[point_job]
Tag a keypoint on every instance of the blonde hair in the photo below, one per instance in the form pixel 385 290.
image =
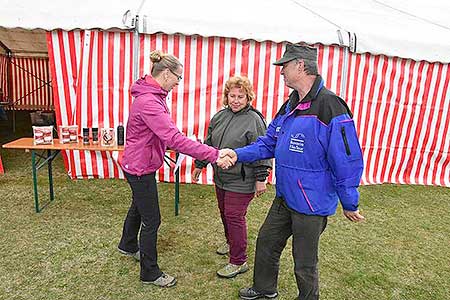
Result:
pixel 161 61
pixel 241 83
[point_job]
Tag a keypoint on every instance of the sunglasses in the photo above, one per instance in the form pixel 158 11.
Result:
pixel 179 77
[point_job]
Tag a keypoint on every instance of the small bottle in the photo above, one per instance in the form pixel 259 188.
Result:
pixel 94 135
pixel 86 136
pixel 120 135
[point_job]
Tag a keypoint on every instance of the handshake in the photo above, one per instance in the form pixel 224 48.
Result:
pixel 227 158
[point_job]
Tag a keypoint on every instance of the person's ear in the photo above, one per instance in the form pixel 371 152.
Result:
pixel 166 74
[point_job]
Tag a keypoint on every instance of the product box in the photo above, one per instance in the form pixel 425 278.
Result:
pixel 64 134
pixel 73 133
pixel 68 134
pixel 107 137
pixel 43 135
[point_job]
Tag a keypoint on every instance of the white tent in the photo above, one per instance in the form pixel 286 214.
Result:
pixel 410 29
pixel 389 59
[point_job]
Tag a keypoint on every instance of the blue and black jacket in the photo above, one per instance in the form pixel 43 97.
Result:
pixel 317 153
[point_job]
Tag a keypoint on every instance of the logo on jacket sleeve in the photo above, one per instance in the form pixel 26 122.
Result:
pixel 297 142
pixel 277 131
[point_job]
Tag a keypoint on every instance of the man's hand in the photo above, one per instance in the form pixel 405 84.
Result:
pixel 227 158
pixel 353 216
pixel 196 174
pixel 260 188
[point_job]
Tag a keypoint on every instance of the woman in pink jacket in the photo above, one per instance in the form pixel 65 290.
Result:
pixel 150 130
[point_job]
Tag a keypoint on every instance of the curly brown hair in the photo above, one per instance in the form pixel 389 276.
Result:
pixel 241 82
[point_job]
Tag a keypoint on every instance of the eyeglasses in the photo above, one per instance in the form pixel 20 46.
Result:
pixel 285 65
pixel 179 77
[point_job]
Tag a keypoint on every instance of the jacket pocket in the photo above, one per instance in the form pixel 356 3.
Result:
pixel 345 140
pixel 305 196
pixel 347 143
pixel 150 150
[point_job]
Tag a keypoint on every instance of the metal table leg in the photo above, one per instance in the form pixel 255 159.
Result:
pixel 48 159
pixel 50 175
pixel 177 188
pixel 34 169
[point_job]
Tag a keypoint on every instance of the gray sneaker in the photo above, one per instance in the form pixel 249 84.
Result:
pixel 223 249
pixel 165 280
pixel 135 255
pixel 230 270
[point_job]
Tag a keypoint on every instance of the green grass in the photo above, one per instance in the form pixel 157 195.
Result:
pixel 69 250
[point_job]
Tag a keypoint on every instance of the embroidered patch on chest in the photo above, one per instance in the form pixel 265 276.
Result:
pixel 297 142
pixel 304 106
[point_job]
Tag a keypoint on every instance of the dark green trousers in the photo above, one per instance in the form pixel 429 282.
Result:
pixel 282 222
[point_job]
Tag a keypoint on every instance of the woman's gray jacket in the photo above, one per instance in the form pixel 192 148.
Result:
pixel 234 130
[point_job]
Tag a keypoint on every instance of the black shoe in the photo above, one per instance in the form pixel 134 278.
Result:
pixel 250 294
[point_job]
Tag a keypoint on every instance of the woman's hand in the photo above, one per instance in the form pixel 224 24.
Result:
pixel 227 158
pixel 261 188
pixel 196 174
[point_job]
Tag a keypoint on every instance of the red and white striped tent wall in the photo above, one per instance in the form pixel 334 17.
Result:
pixel 3 78
pixel 30 83
pixel 400 105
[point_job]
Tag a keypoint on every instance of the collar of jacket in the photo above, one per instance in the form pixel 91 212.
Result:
pixel 151 92
pixel 150 80
pixel 147 84
pixel 244 110
pixel 311 96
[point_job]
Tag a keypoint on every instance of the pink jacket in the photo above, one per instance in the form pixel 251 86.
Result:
pixel 150 130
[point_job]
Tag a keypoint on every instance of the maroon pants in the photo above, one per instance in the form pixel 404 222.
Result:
pixel 233 209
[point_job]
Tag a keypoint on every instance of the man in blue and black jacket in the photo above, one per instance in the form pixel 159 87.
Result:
pixel 318 161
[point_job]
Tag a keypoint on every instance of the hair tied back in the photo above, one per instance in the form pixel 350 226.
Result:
pixel 156 56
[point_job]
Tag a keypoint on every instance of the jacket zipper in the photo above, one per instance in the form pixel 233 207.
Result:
pixel 221 139
pixel 306 196
pixel 344 137
pixel 224 131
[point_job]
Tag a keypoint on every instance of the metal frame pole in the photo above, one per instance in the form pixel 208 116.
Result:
pixel 34 170
pixel 177 187
pixel 50 174
pixel 136 49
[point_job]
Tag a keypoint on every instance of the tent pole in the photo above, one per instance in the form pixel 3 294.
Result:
pixel 344 73
pixel 343 88
pixel 9 87
pixel 14 120
pixel 136 48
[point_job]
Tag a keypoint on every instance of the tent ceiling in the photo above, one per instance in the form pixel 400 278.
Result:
pixel 410 29
pixel 23 42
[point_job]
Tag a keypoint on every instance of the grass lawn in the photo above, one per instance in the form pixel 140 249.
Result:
pixel 69 250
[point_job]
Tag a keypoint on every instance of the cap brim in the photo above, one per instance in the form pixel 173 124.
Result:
pixel 283 60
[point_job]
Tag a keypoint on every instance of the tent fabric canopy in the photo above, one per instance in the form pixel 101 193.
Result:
pixel 92 70
pixel 409 29
pixel 400 106
pixel 21 42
